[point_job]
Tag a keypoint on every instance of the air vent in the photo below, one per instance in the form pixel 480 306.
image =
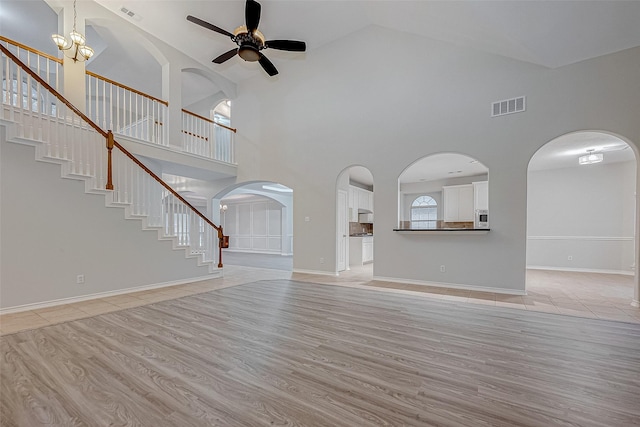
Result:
pixel 130 13
pixel 508 106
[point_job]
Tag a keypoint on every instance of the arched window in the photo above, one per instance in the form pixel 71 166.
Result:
pixel 223 136
pixel 424 212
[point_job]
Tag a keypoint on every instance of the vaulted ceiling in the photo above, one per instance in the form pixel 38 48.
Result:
pixel 547 33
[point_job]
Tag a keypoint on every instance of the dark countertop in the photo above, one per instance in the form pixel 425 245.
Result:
pixel 448 230
pixel 360 234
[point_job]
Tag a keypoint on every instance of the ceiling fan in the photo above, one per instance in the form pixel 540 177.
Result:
pixel 250 41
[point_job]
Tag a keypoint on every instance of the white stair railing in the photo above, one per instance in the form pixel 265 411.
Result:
pixel 40 116
pixel 68 137
pixel 126 111
pixel 207 138
pixel 144 197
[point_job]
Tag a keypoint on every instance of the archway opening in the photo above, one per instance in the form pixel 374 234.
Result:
pixel 581 216
pixel 258 218
pixel 444 190
pixel 355 222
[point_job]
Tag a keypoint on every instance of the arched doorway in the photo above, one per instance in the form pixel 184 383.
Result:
pixel 581 225
pixel 258 218
pixel 355 221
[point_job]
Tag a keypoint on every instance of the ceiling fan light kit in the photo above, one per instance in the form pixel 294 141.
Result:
pixel 250 40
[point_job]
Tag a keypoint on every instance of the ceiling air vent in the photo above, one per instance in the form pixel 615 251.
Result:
pixel 130 13
pixel 508 106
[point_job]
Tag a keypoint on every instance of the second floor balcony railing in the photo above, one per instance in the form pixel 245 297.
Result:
pixel 207 138
pixel 122 109
pixel 127 111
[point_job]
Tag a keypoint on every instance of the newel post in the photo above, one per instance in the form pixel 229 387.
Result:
pixel 109 185
pixel 223 242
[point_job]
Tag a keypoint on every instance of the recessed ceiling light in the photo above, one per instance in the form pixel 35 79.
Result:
pixel 590 158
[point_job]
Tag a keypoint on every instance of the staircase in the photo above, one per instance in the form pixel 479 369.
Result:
pixel 35 114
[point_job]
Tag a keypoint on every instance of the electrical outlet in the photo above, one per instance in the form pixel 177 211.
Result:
pixel 80 279
pixel 321 260
pixel 307 219
pixel 442 269
pixel 570 258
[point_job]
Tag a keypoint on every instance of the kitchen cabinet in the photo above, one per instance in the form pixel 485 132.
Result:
pixel 365 200
pixel 353 204
pixel 359 199
pixel 481 195
pixel 367 249
pixel 360 250
pixel 458 203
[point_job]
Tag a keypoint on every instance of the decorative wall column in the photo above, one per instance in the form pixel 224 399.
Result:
pixel 172 91
pixel 74 85
pixel 636 277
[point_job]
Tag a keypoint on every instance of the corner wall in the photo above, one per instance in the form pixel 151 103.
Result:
pixel 325 112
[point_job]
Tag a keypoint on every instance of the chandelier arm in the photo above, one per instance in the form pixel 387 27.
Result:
pixel 77 40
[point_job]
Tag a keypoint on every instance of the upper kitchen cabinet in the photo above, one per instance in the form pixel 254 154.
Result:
pixel 481 195
pixel 360 201
pixel 441 191
pixel 458 201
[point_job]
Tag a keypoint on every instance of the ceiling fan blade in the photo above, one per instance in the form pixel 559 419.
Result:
pixel 291 45
pixel 267 65
pixel 226 56
pixel 208 26
pixel 252 15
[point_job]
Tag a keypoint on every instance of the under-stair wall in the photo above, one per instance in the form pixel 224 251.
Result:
pixel 52 231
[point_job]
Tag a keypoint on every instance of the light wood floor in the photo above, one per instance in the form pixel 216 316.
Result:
pixel 280 352
pixel 596 296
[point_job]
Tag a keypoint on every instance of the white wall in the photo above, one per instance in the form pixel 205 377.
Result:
pixel 586 213
pixel 52 231
pixel 323 113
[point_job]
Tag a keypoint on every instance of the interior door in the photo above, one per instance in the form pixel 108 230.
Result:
pixel 342 233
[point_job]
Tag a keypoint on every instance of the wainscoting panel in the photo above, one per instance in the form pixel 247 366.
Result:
pixel 581 253
pixel 254 226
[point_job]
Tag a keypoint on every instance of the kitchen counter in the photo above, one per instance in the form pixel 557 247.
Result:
pixel 433 231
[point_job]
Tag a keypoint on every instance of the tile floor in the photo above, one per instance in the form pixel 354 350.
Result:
pixel 604 296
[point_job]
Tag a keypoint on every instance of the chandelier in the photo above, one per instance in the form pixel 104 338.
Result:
pixel 76 48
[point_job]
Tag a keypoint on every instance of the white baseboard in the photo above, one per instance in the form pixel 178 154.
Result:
pixel 580 270
pixel 242 251
pixel 62 301
pixel 452 285
pixel 321 273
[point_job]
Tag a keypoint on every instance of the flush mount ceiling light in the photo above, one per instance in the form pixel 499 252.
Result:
pixel 76 48
pixel 590 158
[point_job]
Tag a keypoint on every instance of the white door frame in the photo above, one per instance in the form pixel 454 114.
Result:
pixel 342 232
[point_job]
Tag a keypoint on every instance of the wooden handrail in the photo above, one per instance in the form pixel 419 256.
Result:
pixel 110 140
pixel 30 49
pixel 137 92
pixel 209 120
